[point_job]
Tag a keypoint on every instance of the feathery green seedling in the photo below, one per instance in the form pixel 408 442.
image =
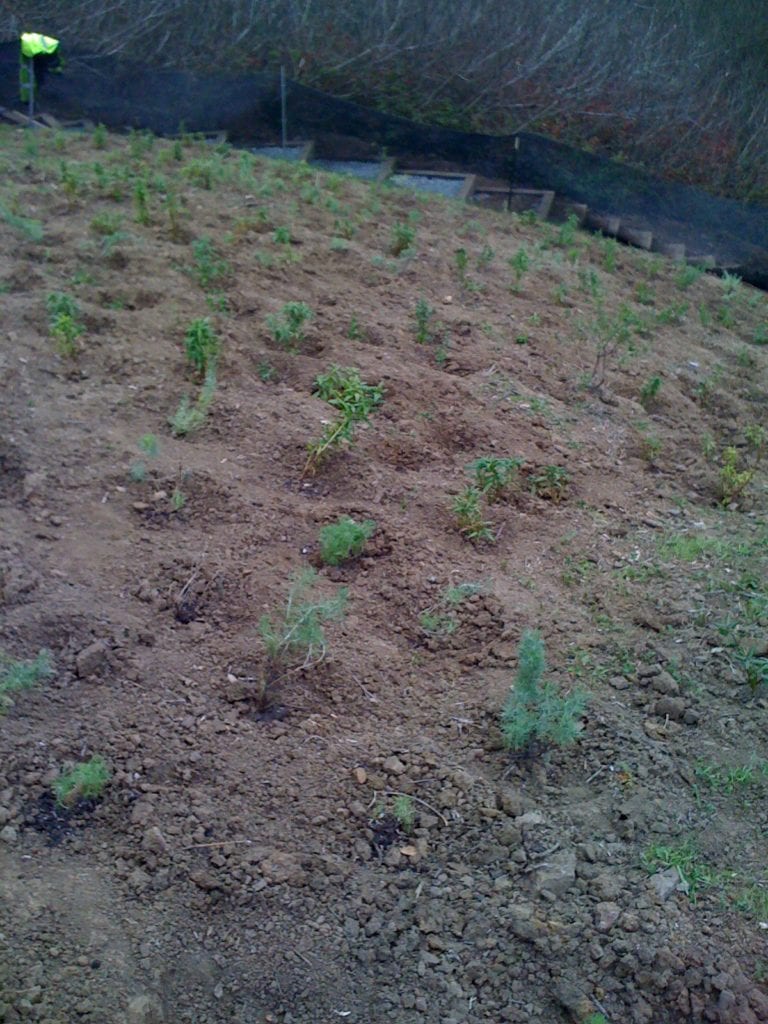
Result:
pixel 402 239
pixel 64 326
pixel 469 516
pixel 675 313
pixel 610 249
pixel 486 257
pixel 344 539
pixel 566 235
pixel 201 345
pixel 31 229
pixel 149 446
pixel 688 275
pixel 520 264
pixel 461 259
pixel 649 392
pixel 141 202
pixel 174 211
pixel 210 268
pixel 282 236
pixel 293 637
pixel 423 314
pixel 736 474
pixel 188 417
pixel 106 223
pixel 86 781
pixel 494 476
pixel 71 182
pixel 22 675
pixel 403 812
pixel 99 137
pixel 287 327
pixel 355 331
pixel 536 710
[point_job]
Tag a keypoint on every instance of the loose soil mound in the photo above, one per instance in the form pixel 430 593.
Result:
pixel 360 846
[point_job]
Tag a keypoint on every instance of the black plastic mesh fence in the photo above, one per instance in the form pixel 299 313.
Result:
pixel 121 94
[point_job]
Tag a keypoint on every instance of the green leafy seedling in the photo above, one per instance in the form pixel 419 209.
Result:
pixel 201 345
pixel 288 325
pixel 470 520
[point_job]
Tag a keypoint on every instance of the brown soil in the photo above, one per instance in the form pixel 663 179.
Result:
pixel 250 866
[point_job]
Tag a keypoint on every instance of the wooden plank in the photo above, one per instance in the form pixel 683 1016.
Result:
pixel 467 188
pixel 606 225
pixel 673 250
pixel 633 236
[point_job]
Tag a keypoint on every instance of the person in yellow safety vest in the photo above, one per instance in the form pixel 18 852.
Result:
pixel 33 44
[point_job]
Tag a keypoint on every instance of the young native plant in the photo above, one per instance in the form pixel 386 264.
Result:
pixel 344 540
pixel 22 675
pixel 470 520
pixel 535 711
pixel 287 326
pixel 293 637
pixel 353 400
pixel 201 345
pixel 495 477
pixel 86 781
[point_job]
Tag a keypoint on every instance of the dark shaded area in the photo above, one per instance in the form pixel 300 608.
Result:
pixel 125 95
pixel 56 822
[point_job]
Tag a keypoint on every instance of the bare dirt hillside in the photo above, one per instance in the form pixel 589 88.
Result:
pixel 317 821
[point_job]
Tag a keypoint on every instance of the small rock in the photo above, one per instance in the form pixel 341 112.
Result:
pixel 144 1010
pixel 670 707
pixel 664 883
pixel 557 874
pixel 606 915
pixel 394 766
pixel 154 841
pixel 91 659
pixel 8 835
pixel 283 868
pixel 572 998
pixel 665 683
pixel 361 776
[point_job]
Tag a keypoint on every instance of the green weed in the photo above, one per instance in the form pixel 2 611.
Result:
pixel 441 618
pixel 190 417
pixel 694 874
pixel 403 812
pixel 688 275
pixel 520 264
pixel 141 202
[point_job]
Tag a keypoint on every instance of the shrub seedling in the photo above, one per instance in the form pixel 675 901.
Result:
pixel 149 446
pixel 293 637
pixel 141 202
pixel 551 482
pixel 424 314
pixel 86 781
pixel 520 264
pixel 64 325
pixel 188 417
pixel 210 268
pixel 287 327
pixel 469 516
pixel 495 476
pixel 535 710
pixel 201 345
pixel 344 539
pixel 401 240
pixel 22 675
pixel 354 401
pixel 403 812
pixel 649 392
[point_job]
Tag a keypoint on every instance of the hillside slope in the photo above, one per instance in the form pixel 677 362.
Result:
pixel 359 844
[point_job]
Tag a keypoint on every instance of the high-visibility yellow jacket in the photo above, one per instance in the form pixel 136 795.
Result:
pixel 33 44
